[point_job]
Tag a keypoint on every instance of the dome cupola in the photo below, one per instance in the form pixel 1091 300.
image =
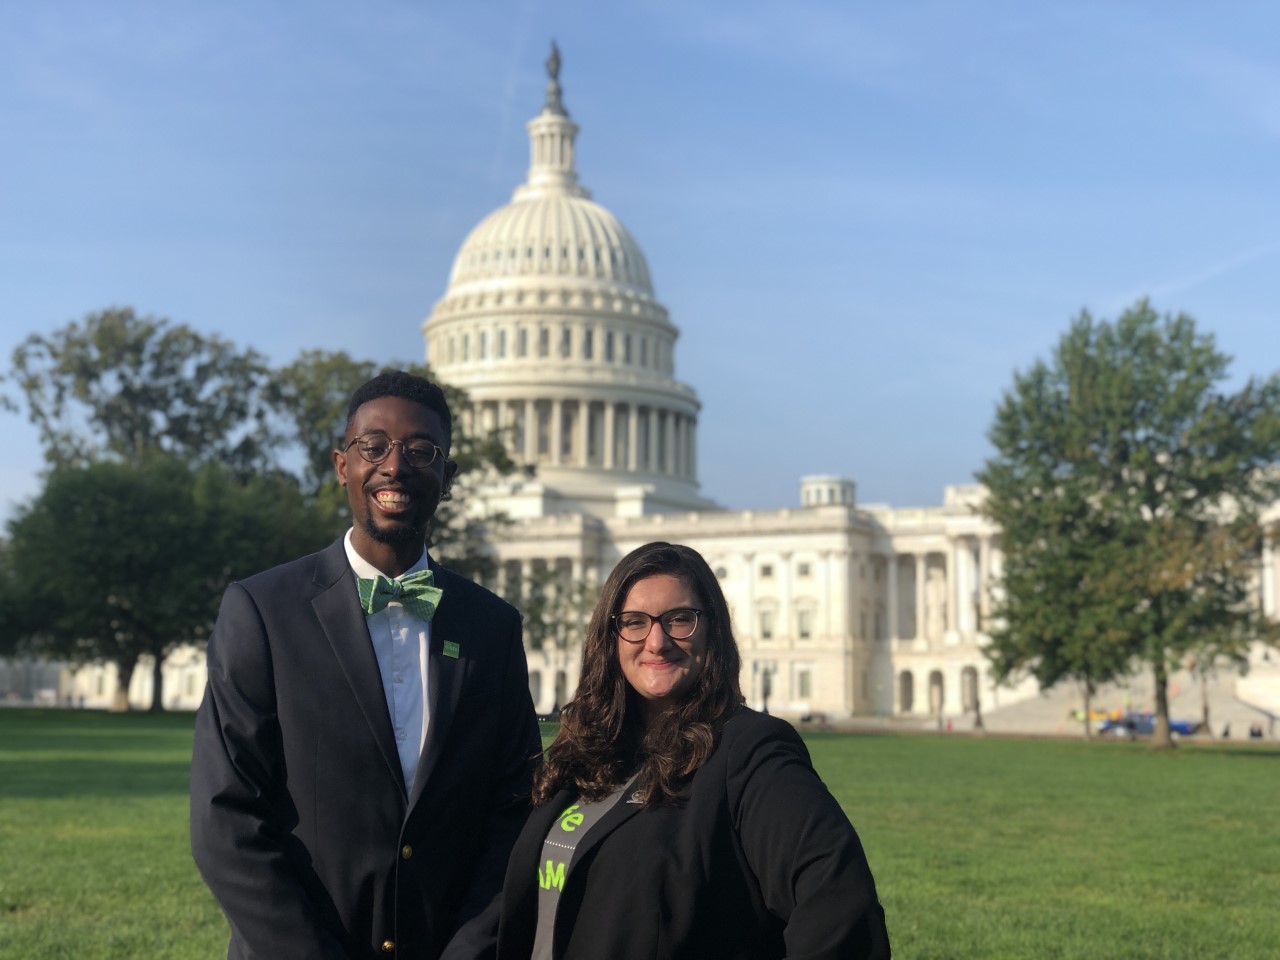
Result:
pixel 551 325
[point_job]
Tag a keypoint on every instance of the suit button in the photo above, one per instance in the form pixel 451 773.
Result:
pixel 406 851
pixel 388 946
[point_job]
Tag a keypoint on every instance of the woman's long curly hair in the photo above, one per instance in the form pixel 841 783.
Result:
pixel 603 738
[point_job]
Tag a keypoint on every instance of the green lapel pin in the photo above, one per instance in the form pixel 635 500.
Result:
pixel 451 649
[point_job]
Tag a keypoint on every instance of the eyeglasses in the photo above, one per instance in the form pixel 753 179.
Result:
pixel 375 448
pixel 634 626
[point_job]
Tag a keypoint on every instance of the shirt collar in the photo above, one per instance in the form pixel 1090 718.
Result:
pixel 367 571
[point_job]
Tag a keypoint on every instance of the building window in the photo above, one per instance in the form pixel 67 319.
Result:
pixel 626 349
pixel 804 624
pixel 566 342
pixel 766 571
pixel 466 346
pixel 588 343
pixel 567 422
pixel 803 570
pixel 644 351
pixel 522 342
pixel 544 430
pixel 804 683
pixel 721 573
pixel 544 342
pixel 608 347
pixel 766 624
pixel 484 345
pixel 502 343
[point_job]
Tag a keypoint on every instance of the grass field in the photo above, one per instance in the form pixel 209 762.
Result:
pixel 982 848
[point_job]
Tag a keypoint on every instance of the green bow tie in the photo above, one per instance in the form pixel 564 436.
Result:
pixel 415 592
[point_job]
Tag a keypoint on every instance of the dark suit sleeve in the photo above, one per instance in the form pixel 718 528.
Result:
pixel 511 781
pixel 238 814
pixel 805 855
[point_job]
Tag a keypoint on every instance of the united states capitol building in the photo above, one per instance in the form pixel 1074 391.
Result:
pixel 551 323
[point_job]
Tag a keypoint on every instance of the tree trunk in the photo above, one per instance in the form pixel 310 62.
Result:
pixel 1088 712
pixel 1161 739
pixel 157 682
pixel 124 676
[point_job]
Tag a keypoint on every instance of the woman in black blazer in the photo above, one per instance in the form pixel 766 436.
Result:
pixel 672 821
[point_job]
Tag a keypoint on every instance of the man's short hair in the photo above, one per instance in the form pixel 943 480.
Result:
pixel 399 383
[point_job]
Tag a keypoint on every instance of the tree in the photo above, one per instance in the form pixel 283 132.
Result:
pixel 1128 485
pixel 124 386
pixel 555 606
pixel 114 560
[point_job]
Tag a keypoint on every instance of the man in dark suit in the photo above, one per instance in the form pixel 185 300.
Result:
pixel 364 752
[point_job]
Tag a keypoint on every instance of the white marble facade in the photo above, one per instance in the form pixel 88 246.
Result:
pixel 551 323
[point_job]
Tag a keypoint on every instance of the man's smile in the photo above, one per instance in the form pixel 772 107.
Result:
pixel 392 501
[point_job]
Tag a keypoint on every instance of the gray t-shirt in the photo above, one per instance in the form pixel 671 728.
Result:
pixel 557 853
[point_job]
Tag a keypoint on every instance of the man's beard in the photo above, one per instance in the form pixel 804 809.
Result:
pixel 397 535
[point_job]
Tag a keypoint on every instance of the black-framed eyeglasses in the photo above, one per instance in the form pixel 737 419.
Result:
pixel 634 626
pixel 375 448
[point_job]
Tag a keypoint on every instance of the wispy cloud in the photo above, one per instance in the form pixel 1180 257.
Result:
pixel 1166 289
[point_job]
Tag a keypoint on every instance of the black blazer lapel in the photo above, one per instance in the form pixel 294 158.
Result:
pixel 614 817
pixel 337 607
pixel 444 683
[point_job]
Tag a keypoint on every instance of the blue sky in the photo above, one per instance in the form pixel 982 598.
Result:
pixel 863 217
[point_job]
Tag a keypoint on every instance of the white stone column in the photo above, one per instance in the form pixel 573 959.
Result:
pixel 584 433
pixel 693 448
pixel 891 585
pixel 824 591
pixel 749 594
pixel 557 426
pixel 668 443
pixel 633 435
pixel 609 412
pixel 786 615
pixel 530 438
pixel 653 440
pixel 677 445
pixel 949 578
pixel 922 570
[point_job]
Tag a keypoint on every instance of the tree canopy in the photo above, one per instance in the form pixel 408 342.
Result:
pixel 1128 483
pixel 115 560
pixel 178 462
pixel 124 386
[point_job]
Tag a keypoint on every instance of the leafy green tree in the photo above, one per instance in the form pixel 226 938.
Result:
pixel 115 560
pixel 124 386
pixel 1128 484
pixel 555 606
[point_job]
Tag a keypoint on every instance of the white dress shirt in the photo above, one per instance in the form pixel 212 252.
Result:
pixel 401 642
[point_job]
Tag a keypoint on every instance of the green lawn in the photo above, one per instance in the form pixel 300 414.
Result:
pixel 982 848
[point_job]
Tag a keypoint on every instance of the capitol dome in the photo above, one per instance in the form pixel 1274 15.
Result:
pixel 550 324
pixel 552 235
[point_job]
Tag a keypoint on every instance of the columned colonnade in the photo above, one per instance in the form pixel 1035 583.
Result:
pixel 581 431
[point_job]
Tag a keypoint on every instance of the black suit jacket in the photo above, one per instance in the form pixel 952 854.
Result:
pixel 756 861
pixel 300 822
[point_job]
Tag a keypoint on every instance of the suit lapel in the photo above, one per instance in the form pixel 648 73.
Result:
pixel 614 817
pixel 337 607
pixel 444 682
